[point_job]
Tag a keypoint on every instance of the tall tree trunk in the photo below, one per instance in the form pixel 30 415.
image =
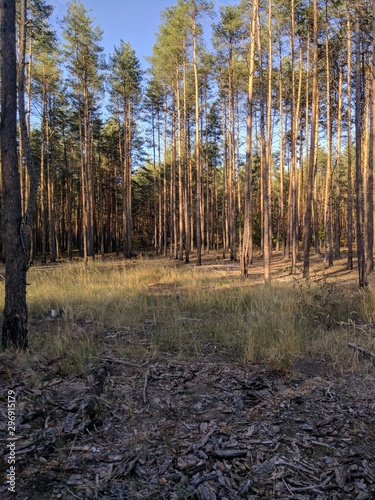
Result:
pixel 231 160
pixel 328 220
pixel 173 215
pixel 362 280
pixel 14 329
pixel 311 164
pixel 369 195
pixel 267 163
pixel 165 187
pixel 293 169
pixel 126 205
pixel 338 166
pixel 350 173
pixel 198 161
pixel 43 183
pixel 25 142
pixel 247 249
pixel 282 156
pixel 180 173
pixel 186 176
pixel 368 205
pixel 88 175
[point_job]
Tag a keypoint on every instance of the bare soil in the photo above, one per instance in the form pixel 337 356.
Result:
pixel 206 428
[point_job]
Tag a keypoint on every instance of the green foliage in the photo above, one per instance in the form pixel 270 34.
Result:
pixel 82 48
pixel 125 76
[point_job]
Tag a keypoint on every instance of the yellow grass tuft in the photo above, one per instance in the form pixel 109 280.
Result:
pixel 150 307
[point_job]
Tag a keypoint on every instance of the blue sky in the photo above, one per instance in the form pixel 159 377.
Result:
pixel 134 21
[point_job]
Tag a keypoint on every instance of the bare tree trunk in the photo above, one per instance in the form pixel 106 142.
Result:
pixel 186 183
pixel 165 221
pixel 198 161
pixel 328 220
pixel 14 329
pixel 173 215
pixel 368 205
pixel 160 192
pixel 282 156
pixel 127 179
pixel 180 174
pixel 231 161
pixel 362 279
pixel 88 176
pixel 338 166
pixel 267 163
pixel 224 218
pixel 350 174
pixel 247 250
pixel 369 195
pixel 51 201
pixel 25 143
pixel 293 173
pixel 311 166
pixel 43 184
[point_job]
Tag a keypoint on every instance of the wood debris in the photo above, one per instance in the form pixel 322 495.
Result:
pixel 203 429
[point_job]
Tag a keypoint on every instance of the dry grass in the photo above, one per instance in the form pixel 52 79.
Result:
pixel 151 307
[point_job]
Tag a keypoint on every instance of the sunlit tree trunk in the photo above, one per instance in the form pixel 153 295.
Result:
pixel 369 194
pixel 328 217
pixel 349 147
pixel 180 173
pixel 173 215
pixel 198 160
pixel 362 281
pixel 32 184
pixel 311 163
pixel 165 187
pixel 247 248
pixel 267 164
pixel 282 156
pixel 186 183
pixel 338 165
pixel 293 172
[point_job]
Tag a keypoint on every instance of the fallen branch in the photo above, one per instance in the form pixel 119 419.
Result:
pixel 362 350
pixel 183 318
pixel 111 359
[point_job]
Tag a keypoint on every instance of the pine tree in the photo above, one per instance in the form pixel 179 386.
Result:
pixel 82 52
pixel 125 80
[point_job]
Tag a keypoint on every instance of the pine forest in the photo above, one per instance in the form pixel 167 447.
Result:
pixel 187 250
pixel 251 131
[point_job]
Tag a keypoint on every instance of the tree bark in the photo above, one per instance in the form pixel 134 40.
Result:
pixel 14 330
pixel 25 142
pixel 371 164
pixel 349 175
pixel 338 166
pixel 362 281
pixel 247 248
pixel 311 165
pixel 198 161
pixel 328 220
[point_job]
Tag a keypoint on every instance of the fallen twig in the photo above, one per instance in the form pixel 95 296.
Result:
pixel 362 350
pixel 111 359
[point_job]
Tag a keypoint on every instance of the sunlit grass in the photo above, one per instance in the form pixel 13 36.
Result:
pixel 151 307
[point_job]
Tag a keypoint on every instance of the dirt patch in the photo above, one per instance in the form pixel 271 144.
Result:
pixel 203 429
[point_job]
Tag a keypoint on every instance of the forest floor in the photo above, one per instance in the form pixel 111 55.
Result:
pixel 208 427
